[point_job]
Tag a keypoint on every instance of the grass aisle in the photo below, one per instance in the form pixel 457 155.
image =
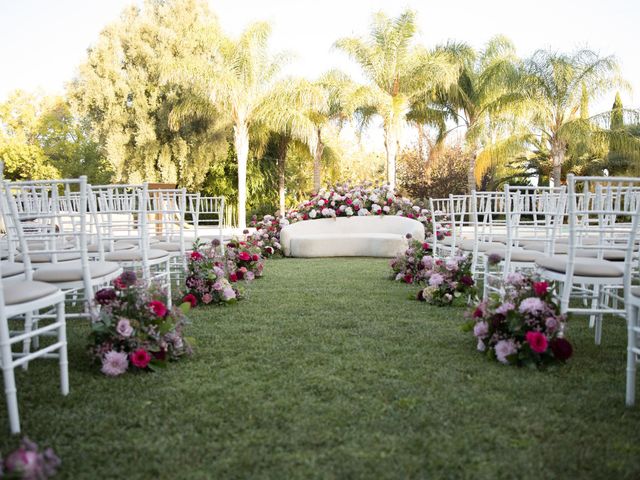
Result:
pixel 328 371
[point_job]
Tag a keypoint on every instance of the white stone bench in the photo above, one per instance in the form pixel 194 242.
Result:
pixel 370 236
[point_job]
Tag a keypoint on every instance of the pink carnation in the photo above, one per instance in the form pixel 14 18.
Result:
pixel 114 363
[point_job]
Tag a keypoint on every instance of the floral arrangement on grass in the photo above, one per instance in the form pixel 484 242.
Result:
pixel 28 463
pixel 134 329
pixel 524 327
pixel 209 280
pixel 446 279
pixel 244 260
pixel 408 267
pixel 343 200
pixel 267 235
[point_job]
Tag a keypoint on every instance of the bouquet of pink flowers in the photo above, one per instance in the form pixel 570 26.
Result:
pixel 209 279
pixel 243 261
pixel 522 328
pixel 267 235
pixel 28 463
pixel 135 329
pixel 446 280
pixel 408 267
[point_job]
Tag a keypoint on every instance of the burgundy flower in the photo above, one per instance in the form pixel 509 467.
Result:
pixel 467 280
pixel 244 256
pixel 215 242
pixel 420 296
pixel 255 257
pixel 105 296
pixel 408 278
pixel 233 277
pixel 561 349
pixel 196 256
pixel 231 245
pixel 159 308
pixel 426 246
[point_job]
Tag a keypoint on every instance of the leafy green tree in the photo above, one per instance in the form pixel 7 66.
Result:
pixel 398 72
pixel 121 93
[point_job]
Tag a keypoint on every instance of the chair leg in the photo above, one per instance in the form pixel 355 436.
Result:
pixel 10 383
pixel 26 343
pixel 169 300
pixel 631 356
pixel 597 317
pixel 63 360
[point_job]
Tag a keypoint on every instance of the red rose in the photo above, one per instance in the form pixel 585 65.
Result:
pixel 466 280
pixel 478 313
pixel 408 278
pixel 537 341
pixel 140 358
pixel 239 275
pixel 244 256
pixel 356 207
pixel 348 201
pixel 255 257
pixel 159 308
pixel 190 298
pixel 541 288
pixel 426 246
pixel 233 277
pixel 196 256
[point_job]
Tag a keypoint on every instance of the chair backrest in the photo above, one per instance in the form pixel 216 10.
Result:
pixel 488 215
pixel 42 223
pixel 441 223
pixel 607 209
pixel 166 209
pixel 117 214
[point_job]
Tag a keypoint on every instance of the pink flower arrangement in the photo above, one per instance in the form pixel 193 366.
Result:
pixel 28 463
pixel 212 272
pixel 524 327
pixel 132 321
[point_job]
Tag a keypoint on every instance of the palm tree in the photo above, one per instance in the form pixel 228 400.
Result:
pixel 289 116
pixel 236 78
pixel 558 85
pixel 483 99
pixel 398 73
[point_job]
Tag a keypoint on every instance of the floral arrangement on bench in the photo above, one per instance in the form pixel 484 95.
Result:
pixel 522 328
pixel 343 200
pixel 134 329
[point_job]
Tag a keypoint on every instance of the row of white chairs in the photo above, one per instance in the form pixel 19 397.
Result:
pixel 65 239
pixel 583 236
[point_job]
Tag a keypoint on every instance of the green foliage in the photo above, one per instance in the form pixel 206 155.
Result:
pixel 25 162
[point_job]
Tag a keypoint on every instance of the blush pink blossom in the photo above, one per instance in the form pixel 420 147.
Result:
pixel 114 363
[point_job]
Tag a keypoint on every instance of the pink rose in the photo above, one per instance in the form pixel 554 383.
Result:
pixel 537 341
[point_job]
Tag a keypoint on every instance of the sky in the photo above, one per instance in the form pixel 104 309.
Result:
pixel 42 42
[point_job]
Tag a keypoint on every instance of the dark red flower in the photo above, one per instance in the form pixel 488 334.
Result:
pixel 408 278
pixel 105 296
pixel 231 245
pixel 239 275
pixel 420 296
pixel 540 288
pixel 190 298
pixel 478 313
pixel 561 349
pixel 196 256
pixel 140 358
pixel 255 257
pixel 244 256
pixel 159 308
pixel 233 277
pixel 466 280
pixel 426 246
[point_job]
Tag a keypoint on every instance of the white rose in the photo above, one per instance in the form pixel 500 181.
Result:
pixel 320 203
pixel 362 212
pixel 375 208
pixel 348 211
pixel 386 209
pixel 313 214
pixel 416 208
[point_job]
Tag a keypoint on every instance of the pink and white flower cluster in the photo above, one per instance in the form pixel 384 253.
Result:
pixel 524 327
pixel 134 328
pixel 29 463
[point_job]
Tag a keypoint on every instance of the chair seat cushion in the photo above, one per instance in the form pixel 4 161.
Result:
pixel 118 245
pixel 72 271
pixel 26 291
pixel 468 246
pixel 48 257
pixel 11 269
pixel 635 291
pixel 348 245
pixel 448 241
pixel 563 249
pixel 583 267
pixel 134 255
pixel 172 246
pixel 517 254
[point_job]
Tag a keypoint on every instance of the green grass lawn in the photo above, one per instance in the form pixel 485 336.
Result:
pixel 327 370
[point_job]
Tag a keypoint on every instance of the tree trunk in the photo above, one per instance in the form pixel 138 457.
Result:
pixel 391 146
pixel 558 150
pixel 283 146
pixel 471 172
pixel 241 144
pixel 317 162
